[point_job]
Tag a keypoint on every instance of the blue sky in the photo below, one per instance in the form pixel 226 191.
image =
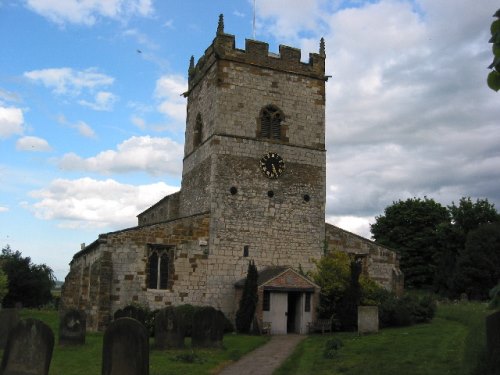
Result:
pixel 92 121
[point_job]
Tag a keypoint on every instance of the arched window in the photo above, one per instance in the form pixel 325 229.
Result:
pixel 153 271
pixel 198 131
pixel 270 122
pixel 159 263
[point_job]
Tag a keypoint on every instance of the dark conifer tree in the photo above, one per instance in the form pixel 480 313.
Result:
pixel 248 301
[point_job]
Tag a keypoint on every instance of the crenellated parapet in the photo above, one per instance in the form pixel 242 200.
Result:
pixel 257 53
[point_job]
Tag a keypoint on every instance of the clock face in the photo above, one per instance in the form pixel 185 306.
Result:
pixel 272 165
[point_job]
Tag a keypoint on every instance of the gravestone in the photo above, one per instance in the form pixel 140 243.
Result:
pixel 170 328
pixel 367 319
pixel 125 349
pixel 72 328
pixel 493 342
pixel 8 319
pixel 208 328
pixel 29 349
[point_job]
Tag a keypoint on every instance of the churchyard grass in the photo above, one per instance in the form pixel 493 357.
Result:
pixel 86 359
pixel 453 343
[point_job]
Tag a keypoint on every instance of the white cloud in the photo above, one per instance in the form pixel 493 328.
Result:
pixel 155 156
pixel 9 96
pixel 30 143
pixel 139 122
pixel 408 110
pixel 84 129
pixel 69 81
pixel 4 209
pixel 354 224
pixel 141 38
pixel 11 121
pixel 169 90
pixel 87 12
pixel 89 203
pixel 103 101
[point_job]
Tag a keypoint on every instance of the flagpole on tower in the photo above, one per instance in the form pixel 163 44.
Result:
pixel 254 19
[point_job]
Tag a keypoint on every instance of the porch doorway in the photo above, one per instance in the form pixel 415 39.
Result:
pixel 293 312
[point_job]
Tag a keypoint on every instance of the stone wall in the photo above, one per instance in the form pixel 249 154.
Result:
pixel 381 264
pixel 112 272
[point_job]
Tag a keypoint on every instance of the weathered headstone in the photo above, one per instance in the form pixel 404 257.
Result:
pixel 29 349
pixel 170 328
pixel 367 319
pixel 8 319
pixel 72 328
pixel 125 349
pixel 493 342
pixel 208 328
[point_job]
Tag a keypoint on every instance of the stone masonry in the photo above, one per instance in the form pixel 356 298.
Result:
pixel 227 210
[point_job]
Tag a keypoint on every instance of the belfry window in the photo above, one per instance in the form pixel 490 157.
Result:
pixel 198 131
pixel 159 264
pixel 270 122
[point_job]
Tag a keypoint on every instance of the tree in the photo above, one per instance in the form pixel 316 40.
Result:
pixel 452 237
pixel 478 264
pixel 343 288
pixel 494 76
pixel 410 228
pixel 29 284
pixel 248 301
pixel 4 283
pixel 332 274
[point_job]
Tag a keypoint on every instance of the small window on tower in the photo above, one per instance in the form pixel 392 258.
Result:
pixel 270 122
pixel 198 131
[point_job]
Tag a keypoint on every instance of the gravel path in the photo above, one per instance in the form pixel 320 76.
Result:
pixel 265 359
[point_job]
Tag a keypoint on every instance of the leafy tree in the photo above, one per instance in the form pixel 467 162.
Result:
pixel 332 274
pixel 347 310
pixel 464 218
pixel 410 228
pixel 494 76
pixel 343 288
pixel 248 301
pixel 478 264
pixel 29 284
pixel 3 285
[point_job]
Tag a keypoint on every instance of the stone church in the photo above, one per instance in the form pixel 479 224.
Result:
pixel 253 188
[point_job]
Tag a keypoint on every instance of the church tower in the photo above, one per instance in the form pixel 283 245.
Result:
pixel 254 158
pixel 253 189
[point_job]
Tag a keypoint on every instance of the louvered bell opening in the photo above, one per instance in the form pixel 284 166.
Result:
pixel 265 125
pixel 276 126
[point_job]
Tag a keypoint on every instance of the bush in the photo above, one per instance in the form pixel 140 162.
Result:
pixel 331 347
pixel 139 312
pixel 495 297
pixel 405 311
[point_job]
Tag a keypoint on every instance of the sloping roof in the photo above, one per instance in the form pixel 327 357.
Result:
pixel 269 273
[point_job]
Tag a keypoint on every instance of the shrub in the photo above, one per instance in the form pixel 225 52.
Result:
pixel 406 310
pixel 331 347
pixel 495 297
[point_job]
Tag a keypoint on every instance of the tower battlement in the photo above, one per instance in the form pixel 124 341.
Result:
pixel 257 53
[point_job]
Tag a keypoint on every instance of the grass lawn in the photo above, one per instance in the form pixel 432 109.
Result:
pixel 86 360
pixel 452 344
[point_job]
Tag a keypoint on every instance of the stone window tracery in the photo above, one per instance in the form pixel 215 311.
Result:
pixel 159 267
pixel 270 122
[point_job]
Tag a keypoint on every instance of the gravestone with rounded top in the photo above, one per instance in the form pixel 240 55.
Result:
pixel 29 349
pixel 125 349
pixel 208 328
pixel 170 328
pixel 72 328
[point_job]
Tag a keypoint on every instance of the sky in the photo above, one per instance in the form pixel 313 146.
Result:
pixel 92 120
